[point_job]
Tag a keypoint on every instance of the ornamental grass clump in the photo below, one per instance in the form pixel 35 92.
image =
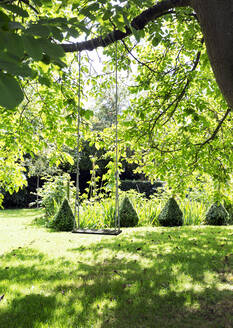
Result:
pixel 128 215
pixel 64 219
pixel 216 215
pixel 171 215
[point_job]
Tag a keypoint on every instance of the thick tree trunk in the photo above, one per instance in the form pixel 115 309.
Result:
pixel 216 20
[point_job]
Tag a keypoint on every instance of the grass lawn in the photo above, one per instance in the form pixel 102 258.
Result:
pixel 145 277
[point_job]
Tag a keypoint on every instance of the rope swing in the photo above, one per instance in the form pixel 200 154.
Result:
pixel 117 217
pixel 76 229
pixel 77 199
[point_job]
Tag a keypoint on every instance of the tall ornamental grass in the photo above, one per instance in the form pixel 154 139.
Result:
pixel 193 211
pixel 100 213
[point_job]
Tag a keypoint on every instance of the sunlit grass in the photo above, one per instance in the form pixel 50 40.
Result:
pixel 145 277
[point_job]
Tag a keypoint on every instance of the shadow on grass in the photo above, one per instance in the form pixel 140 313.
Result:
pixel 177 278
pixel 28 311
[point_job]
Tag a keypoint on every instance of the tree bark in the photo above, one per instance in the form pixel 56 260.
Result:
pixel 216 20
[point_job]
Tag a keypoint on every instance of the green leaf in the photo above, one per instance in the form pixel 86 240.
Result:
pixel 4 19
pixel 73 32
pixel 9 58
pixel 10 65
pixel 67 157
pixel 52 49
pixel 46 59
pixel 107 15
pixel 69 119
pixel 87 10
pixel 11 93
pixel 126 19
pixel 156 40
pixel 33 47
pixel 37 3
pixel 59 62
pixel 39 29
pixel 93 7
pixel 84 28
pixel 2 41
pixel 59 21
pixel 56 32
pixel 16 10
pixel 14 44
pixel 139 3
pixel 136 33
pixel 86 113
pixel 44 80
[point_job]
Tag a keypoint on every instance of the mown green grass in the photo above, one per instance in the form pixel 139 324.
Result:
pixel 145 277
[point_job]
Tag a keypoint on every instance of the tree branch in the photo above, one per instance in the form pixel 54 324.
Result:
pixel 137 60
pixel 30 6
pixel 138 23
pixel 213 135
pixel 180 96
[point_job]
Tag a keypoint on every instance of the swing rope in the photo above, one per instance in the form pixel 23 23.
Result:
pixel 77 199
pixel 117 218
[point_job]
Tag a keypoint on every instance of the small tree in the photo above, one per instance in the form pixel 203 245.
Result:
pixel 53 191
pixel 64 219
pixel 128 215
pixel 216 215
pixel 171 215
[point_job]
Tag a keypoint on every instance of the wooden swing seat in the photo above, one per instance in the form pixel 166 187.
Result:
pixel 98 231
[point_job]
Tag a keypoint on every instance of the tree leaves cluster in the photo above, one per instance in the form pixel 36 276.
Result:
pixel 25 39
pixel 177 126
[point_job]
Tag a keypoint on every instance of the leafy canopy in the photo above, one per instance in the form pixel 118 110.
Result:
pixel 177 126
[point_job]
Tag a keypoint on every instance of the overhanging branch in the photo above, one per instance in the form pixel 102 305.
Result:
pixel 213 135
pixel 138 23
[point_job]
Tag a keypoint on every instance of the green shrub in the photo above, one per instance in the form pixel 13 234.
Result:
pixel 216 215
pixel 64 219
pixel 229 207
pixel 128 215
pixel 171 214
pixel 53 192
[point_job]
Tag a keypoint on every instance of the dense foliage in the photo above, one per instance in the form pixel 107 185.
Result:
pixel 64 219
pixel 175 124
pixel 216 215
pixel 52 193
pixel 23 198
pixel 128 215
pixel 171 215
pixel 229 207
